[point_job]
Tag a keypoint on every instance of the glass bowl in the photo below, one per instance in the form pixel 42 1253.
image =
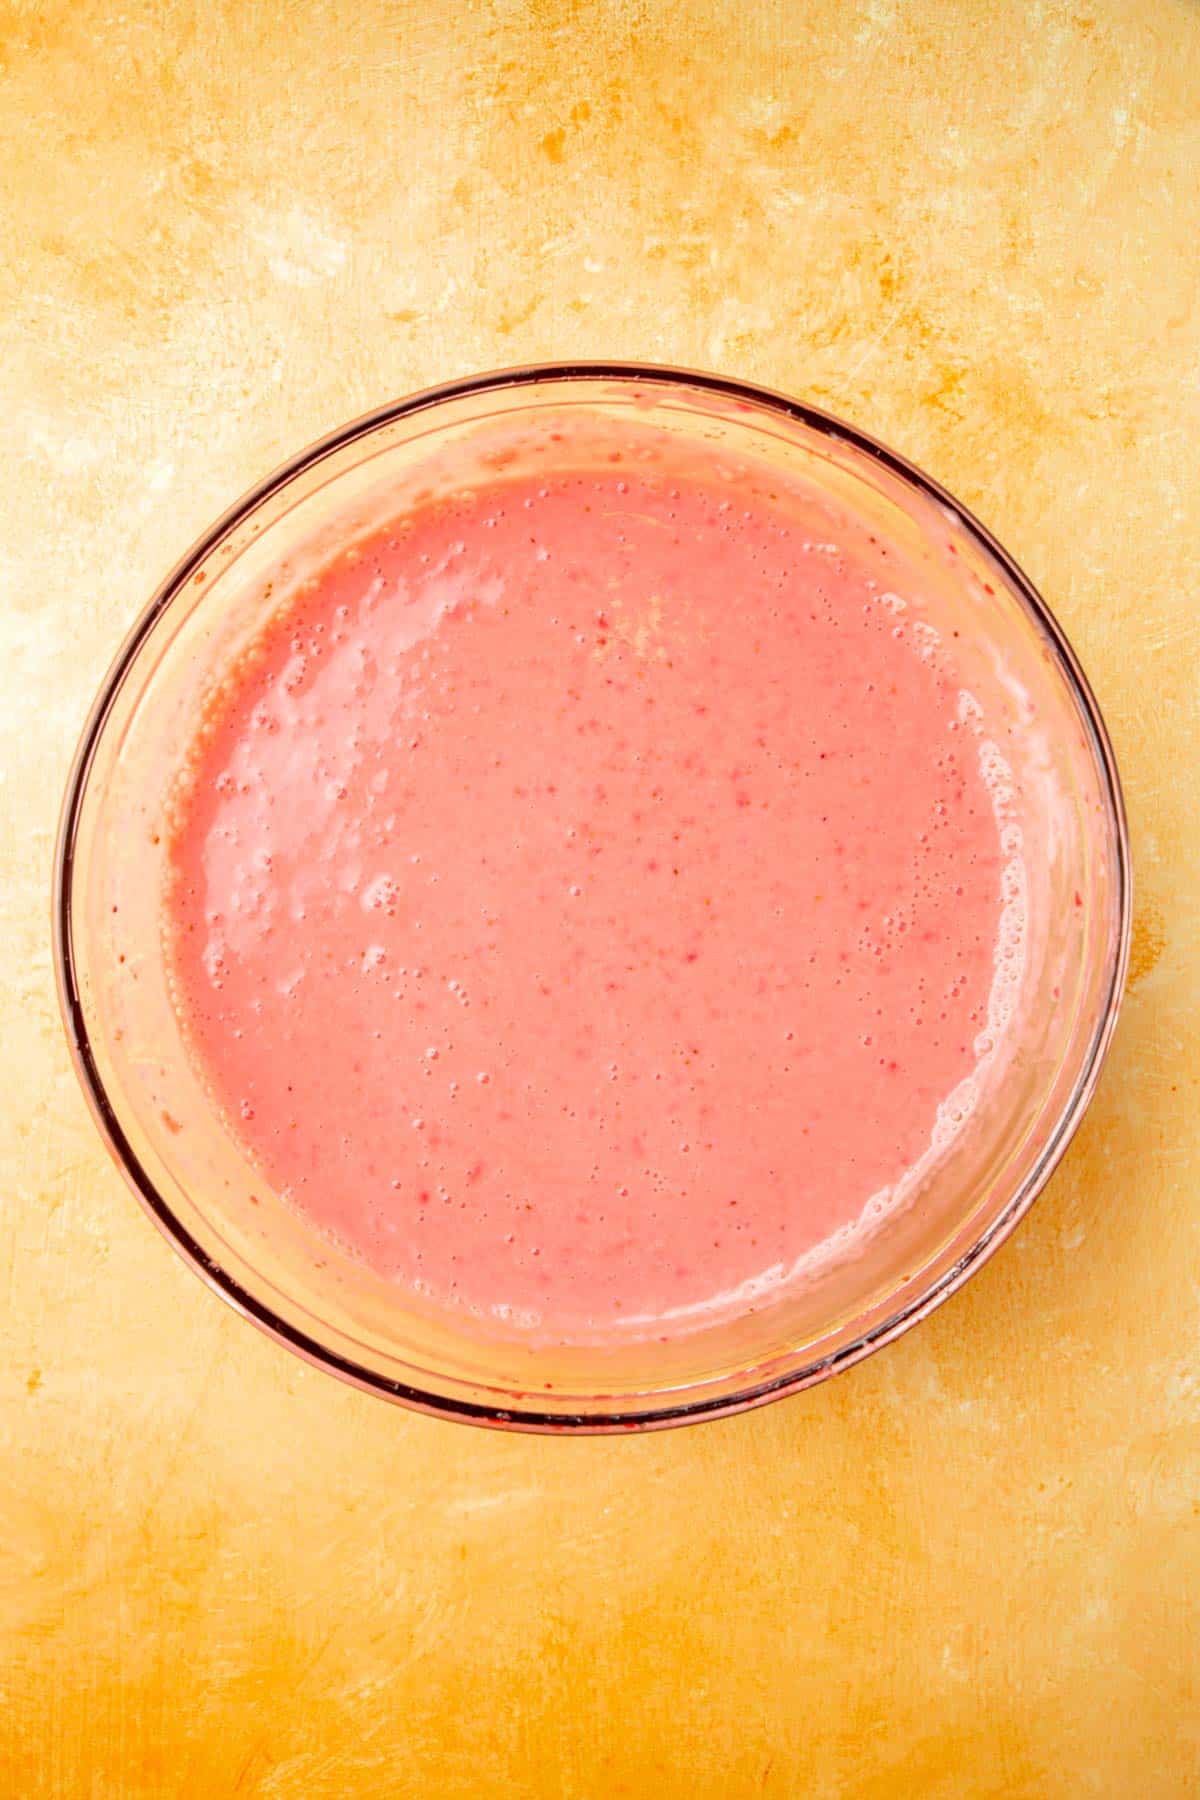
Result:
pixel 196 1182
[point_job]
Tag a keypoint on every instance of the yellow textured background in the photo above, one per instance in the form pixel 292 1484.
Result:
pixel 970 1568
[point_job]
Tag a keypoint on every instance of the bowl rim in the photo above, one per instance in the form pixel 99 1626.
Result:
pixel 628 1417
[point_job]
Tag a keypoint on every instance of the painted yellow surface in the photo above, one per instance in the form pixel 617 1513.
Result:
pixel 970 1568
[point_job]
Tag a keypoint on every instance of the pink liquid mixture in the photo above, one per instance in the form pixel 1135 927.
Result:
pixel 585 899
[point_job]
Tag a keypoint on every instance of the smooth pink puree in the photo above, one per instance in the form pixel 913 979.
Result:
pixel 585 897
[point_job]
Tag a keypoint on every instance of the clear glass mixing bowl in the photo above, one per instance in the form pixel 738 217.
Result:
pixel 196 1182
